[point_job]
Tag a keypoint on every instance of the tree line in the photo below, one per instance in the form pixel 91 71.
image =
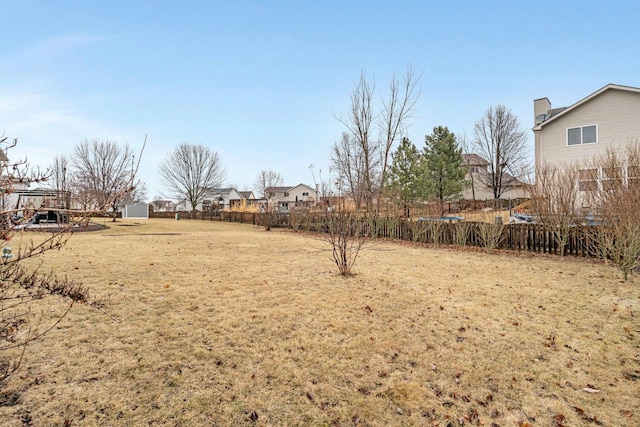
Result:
pixel 369 170
pixel 372 161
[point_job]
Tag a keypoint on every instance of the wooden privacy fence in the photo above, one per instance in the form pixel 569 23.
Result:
pixel 518 237
pixel 277 219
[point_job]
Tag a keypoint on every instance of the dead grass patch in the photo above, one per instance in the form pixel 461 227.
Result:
pixel 225 324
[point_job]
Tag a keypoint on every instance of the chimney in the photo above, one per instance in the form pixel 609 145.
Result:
pixel 541 109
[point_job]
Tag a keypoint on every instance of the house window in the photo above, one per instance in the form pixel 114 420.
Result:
pixel 286 194
pixel 582 135
pixel 305 194
pixel 588 180
pixel 611 178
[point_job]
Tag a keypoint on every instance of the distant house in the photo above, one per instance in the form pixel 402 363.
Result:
pixel 221 199
pixel 478 177
pixel 183 205
pixel 247 195
pixel 250 200
pixel 285 199
pixel 163 206
pixel 609 118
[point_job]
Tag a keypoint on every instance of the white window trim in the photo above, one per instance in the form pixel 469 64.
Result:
pixel 581 143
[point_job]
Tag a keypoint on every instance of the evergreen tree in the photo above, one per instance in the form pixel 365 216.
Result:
pixel 443 166
pixel 405 178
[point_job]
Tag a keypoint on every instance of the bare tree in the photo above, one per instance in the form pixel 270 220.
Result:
pixel 104 170
pixel 192 171
pixel 555 201
pixel 367 152
pixel 137 195
pixel 500 139
pixel 397 110
pixel 348 161
pixel 266 179
pixel 60 180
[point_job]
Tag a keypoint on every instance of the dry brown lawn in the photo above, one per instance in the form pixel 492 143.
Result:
pixel 226 324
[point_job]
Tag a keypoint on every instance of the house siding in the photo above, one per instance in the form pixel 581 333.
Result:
pixel 615 112
pixel 483 192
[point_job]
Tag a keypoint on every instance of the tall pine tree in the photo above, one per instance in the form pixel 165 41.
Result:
pixel 443 166
pixel 405 179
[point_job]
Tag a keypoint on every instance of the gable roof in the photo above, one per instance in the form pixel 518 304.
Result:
pixel 303 185
pixel 559 112
pixel 277 189
pixel 222 190
pixel 225 192
pixel 247 194
pixel 473 159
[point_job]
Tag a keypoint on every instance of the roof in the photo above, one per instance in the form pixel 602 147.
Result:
pixel 303 185
pixel 277 189
pixel 287 189
pixel 222 190
pixel 559 112
pixel 473 159
pixel 247 194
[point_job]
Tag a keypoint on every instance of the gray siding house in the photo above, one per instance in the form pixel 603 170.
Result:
pixel 608 118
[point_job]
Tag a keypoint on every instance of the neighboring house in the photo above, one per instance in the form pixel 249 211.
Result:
pixel 183 205
pixel 216 199
pixel 607 119
pixel 221 199
pixel 247 195
pixel 163 206
pixel 249 199
pixel 284 199
pixel 478 177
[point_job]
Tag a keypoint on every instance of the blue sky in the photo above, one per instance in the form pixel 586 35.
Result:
pixel 261 82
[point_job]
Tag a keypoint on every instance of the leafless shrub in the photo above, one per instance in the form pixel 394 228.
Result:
pixel 268 219
pixel 462 233
pixel 418 229
pixel 295 220
pixel 346 234
pixel 555 201
pixel 491 235
pixel 435 228
pixel 614 201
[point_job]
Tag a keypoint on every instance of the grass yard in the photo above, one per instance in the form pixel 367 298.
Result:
pixel 226 324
